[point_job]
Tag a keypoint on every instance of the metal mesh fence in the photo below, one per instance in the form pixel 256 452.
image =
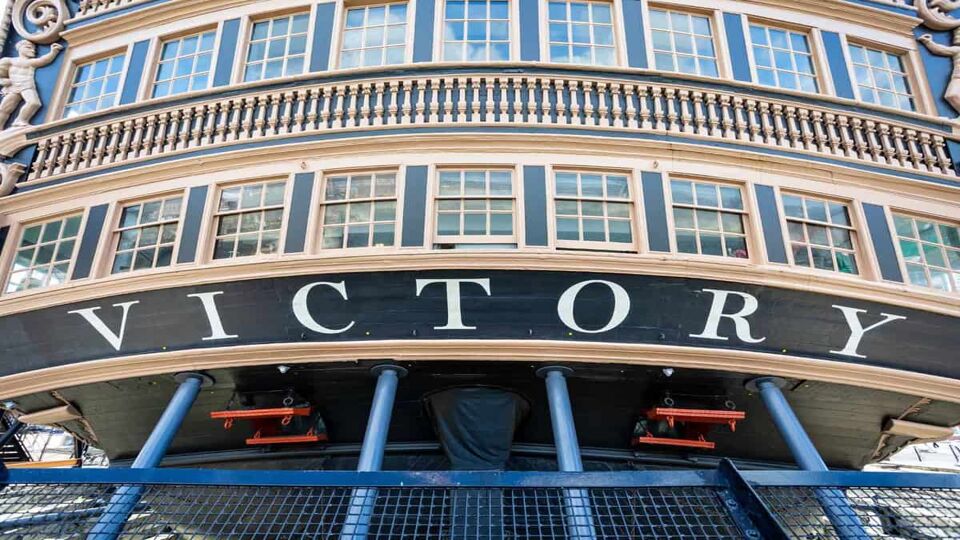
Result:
pixel 54 511
pixel 901 513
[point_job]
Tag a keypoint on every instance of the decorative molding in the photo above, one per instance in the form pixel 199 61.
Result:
pixel 935 17
pixel 10 172
pixel 781 365
pixel 47 17
pixel 541 102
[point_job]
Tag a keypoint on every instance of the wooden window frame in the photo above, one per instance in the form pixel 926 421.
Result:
pixel 438 239
pixel 592 245
pixel 322 204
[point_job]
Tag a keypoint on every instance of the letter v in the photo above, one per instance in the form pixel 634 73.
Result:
pixel 115 339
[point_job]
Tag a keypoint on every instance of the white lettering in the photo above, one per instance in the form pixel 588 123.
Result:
pixel 739 318
pixel 857 330
pixel 621 306
pixel 302 312
pixel 213 316
pixel 454 316
pixel 116 340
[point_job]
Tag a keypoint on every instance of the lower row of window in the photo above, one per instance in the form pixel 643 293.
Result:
pixel 478 208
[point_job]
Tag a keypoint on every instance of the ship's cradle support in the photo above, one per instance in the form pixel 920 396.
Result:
pixel 754 518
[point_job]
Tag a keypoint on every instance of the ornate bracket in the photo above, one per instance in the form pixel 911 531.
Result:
pixel 47 16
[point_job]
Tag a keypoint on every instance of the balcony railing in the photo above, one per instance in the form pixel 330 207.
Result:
pixel 570 103
pixel 722 503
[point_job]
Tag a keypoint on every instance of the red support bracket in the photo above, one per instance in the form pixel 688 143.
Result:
pixel 696 416
pixel 666 441
pixel 285 414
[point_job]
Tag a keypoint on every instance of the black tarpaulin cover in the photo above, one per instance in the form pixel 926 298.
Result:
pixel 475 424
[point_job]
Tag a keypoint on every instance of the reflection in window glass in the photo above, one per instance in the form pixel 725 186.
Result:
pixel 783 58
pixel 930 251
pixel 881 78
pixel 593 207
pixel 708 219
pixel 374 36
pixel 683 43
pixel 248 220
pixel 476 30
pixel 821 234
pixel 95 86
pixel 581 33
pixel 359 210
pixel 44 254
pixel 185 64
pixel 146 235
pixel 475 205
pixel 278 47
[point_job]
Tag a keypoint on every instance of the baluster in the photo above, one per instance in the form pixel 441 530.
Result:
pixel 182 134
pixel 686 118
pixel 196 125
pixel 832 131
pixel 559 90
pixel 85 159
pixel 779 125
pixel 739 123
pixel 325 106
pixel 313 104
pixel 352 94
pixel 766 124
pixel 617 110
pixel 713 119
pixel 629 94
pixel 659 116
pixel 62 153
pixel 139 128
pixel 820 135
pixel 916 159
pixel 124 149
pixel 846 138
pixel 113 143
pixel 603 104
pixel 806 134
pixel 753 121
pixel 946 166
pixel 673 118
pixel 588 108
pixel 699 113
pixel 575 102
pixel 889 151
pixel 337 113
pixel 39 160
pixel 50 161
pixel 407 107
pixel 233 110
pixel 929 159
pixel 642 92
pixel 903 154
pixel 169 140
pixel 873 145
pixel 860 142
pixel 300 112
pixel 262 108
pixel 76 146
pixel 53 162
pixel 793 129
pixel 726 119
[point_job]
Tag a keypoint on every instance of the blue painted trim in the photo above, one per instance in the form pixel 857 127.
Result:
pixel 89 241
pixel 886 7
pixel 423 31
pixel 770 222
pixel 618 479
pixel 192 220
pixel 737 46
pixel 134 76
pixel 322 36
pixel 886 253
pixel 655 208
pixel 425 70
pixel 530 30
pixel 414 205
pixel 115 13
pixel 504 129
pixel 226 52
pixel 535 205
pixel 632 12
pixel 839 70
pixel 300 204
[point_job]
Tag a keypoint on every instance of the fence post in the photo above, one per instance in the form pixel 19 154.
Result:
pixel 125 500
pixel 747 508
pixel 362 500
pixel 577 501
pixel 844 520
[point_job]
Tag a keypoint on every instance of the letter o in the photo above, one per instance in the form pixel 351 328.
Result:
pixel 621 306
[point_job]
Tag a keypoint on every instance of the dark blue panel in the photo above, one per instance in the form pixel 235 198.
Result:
pixel 658 234
pixel 939 70
pixel 770 223
pixel 300 205
pixel 89 241
pixel 839 70
pixel 882 242
pixel 322 36
pixel 535 205
pixel 530 30
pixel 414 205
pixel 192 219
pixel 134 75
pixel 227 52
pixel 636 41
pixel 423 31
pixel 4 231
pixel 737 45
pixel 953 149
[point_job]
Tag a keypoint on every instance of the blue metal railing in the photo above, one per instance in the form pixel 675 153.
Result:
pixel 721 503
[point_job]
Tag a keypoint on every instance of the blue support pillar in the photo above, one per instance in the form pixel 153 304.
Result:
pixel 576 501
pixel 362 500
pixel 844 520
pixel 126 498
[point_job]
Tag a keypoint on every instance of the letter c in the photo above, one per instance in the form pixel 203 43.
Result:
pixel 302 312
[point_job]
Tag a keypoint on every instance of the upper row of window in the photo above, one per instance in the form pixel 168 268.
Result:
pixel 579 32
pixel 478 207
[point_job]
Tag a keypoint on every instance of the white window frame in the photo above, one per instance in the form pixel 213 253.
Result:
pixel 213 213
pixel 16 237
pixel 633 200
pixel 157 51
pixel 72 76
pixel 117 229
pixel 814 41
pixel 341 26
pixel 513 22
pixel 744 213
pixel 919 89
pixel 246 33
pixel 516 198
pixel 716 27
pixel 901 260
pixel 322 203
pixel 865 269
pixel 619 47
